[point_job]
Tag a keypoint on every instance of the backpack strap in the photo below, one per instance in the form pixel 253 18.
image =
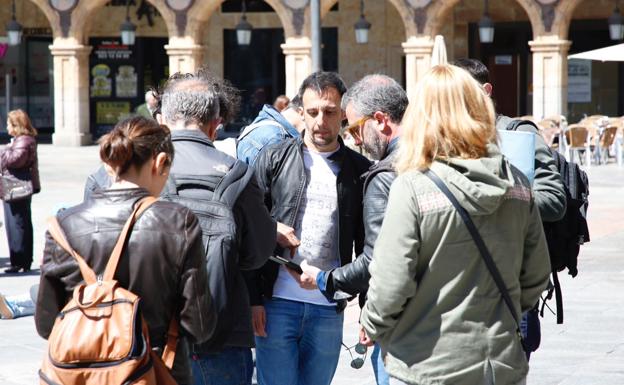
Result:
pixel 139 208
pixel 169 351
pixel 233 183
pixel 485 254
pixel 57 233
pixel 514 124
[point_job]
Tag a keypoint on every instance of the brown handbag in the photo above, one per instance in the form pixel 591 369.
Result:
pixel 100 336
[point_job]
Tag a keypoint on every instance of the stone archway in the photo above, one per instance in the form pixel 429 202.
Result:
pixel 438 12
pixel 202 10
pixel 86 10
pixel 563 17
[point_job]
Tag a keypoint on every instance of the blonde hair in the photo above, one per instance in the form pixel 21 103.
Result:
pixel 449 116
pixel 21 123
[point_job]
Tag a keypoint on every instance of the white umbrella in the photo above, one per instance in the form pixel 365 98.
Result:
pixel 612 53
pixel 438 55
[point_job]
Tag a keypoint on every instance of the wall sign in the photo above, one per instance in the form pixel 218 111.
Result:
pixel 579 81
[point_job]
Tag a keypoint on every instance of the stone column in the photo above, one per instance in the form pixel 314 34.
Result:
pixel 550 76
pixel 417 60
pixel 298 52
pixel 71 94
pixel 184 57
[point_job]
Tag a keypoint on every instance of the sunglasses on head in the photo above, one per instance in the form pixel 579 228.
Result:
pixel 357 363
pixel 354 129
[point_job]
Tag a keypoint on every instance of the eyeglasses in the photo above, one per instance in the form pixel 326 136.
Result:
pixel 354 129
pixel 357 363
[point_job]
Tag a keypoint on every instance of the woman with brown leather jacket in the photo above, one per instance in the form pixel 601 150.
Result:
pixel 19 158
pixel 163 261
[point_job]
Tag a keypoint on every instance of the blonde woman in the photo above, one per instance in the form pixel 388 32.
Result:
pixel 432 304
pixel 19 158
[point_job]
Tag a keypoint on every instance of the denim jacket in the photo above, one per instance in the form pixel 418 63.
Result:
pixel 251 143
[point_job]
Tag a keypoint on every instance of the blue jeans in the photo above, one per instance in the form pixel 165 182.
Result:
pixel 231 366
pixel 302 345
pixel 378 366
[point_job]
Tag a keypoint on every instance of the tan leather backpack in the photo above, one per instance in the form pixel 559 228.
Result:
pixel 100 336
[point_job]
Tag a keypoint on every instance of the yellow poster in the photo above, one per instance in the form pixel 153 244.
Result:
pixel 111 112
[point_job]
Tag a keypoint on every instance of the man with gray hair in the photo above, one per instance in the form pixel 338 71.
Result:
pixel 374 107
pixel 199 175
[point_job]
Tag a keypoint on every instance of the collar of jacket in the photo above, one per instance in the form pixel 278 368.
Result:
pixel 120 195
pixel 337 156
pixel 191 136
pixel 269 112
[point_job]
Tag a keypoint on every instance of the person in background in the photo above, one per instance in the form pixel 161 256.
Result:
pixel 271 126
pixel 312 186
pixel 151 103
pixel 281 102
pixel 20 305
pixel 433 305
pixel 374 107
pixel 547 187
pixel 164 261
pixel 19 158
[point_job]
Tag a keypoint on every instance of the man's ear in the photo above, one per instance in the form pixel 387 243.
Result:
pixel 487 87
pixel 381 119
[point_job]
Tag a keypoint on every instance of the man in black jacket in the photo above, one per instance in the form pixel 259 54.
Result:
pixel 190 107
pixel 311 184
pixel 374 107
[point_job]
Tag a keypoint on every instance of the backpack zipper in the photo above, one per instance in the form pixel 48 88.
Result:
pixel 62 313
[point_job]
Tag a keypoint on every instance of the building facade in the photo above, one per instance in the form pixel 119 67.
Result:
pixel 73 75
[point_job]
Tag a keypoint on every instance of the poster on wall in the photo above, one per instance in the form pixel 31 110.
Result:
pixel 101 83
pixel 579 81
pixel 109 113
pixel 126 81
pixel 114 83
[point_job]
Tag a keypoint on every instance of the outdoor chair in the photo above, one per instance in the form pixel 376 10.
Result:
pixel 605 140
pixel 577 138
pixel 550 132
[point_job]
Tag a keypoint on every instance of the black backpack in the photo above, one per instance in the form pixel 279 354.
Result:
pixel 565 236
pixel 219 234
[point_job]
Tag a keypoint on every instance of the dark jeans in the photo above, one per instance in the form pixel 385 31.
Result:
pixel 19 229
pixel 231 366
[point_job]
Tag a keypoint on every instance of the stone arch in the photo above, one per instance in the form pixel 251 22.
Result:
pixel 438 11
pixel 86 10
pixel 563 17
pixel 202 10
pixel 403 9
pixel 51 15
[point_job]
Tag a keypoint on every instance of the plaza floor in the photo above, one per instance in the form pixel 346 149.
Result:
pixel 587 349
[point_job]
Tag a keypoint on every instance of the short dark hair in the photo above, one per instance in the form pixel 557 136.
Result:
pixel 321 81
pixel 475 68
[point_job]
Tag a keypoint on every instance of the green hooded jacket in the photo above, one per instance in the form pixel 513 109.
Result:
pixel 432 304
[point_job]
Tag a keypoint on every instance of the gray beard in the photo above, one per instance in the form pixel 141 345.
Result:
pixel 375 146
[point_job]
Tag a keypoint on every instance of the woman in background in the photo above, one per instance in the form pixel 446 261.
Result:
pixel 19 158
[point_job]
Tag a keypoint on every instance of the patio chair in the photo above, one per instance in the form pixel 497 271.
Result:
pixel 577 138
pixel 606 140
pixel 550 132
